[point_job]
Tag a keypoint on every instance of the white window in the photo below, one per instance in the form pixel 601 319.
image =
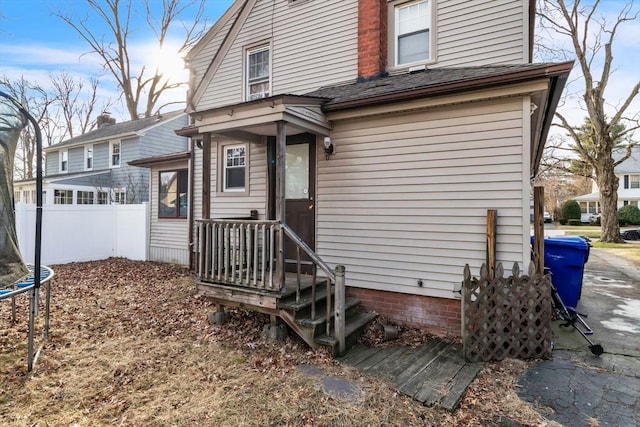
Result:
pixel 103 198
pixel 114 154
pixel 234 168
pixel 412 32
pixel 85 198
pixel 258 73
pixel 88 157
pixel 634 181
pixel 63 197
pixel 16 196
pixel 119 197
pixel 64 161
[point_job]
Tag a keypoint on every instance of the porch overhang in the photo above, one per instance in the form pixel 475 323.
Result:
pixel 251 121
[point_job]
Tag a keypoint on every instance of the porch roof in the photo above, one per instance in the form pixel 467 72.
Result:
pixel 147 162
pixel 252 120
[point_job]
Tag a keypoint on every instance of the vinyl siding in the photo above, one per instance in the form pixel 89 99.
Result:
pixel 405 197
pixel 52 163
pixel 472 33
pixel 232 206
pixel 162 139
pixel 168 241
pixel 313 44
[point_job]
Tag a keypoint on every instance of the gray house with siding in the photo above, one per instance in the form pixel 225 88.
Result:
pixel 369 134
pixel 92 168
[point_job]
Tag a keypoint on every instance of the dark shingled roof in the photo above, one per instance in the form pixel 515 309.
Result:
pixel 439 80
pixel 105 132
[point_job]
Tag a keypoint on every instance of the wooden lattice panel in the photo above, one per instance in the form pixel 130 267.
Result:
pixel 506 316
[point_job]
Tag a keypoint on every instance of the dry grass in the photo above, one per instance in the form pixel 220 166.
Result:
pixel 130 346
pixel 628 251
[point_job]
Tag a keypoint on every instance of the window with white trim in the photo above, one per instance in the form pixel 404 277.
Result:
pixel 114 154
pixel 234 168
pixel 84 198
pixel 103 198
pixel 173 194
pixel 88 157
pixel 16 196
pixel 410 25
pixel 258 73
pixel 63 197
pixel 119 197
pixel 634 181
pixel 64 161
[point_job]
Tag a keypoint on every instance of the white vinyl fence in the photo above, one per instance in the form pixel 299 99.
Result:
pixel 73 233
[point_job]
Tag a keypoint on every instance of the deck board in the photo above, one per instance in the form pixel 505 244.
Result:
pixel 434 373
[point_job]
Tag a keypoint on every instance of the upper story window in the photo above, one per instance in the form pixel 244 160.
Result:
pixel 258 73
pixel 234 174
pixel 631 181
pixel 410 26
pixel 88 157
pixel 173 194
pixel 114 154
pixel 64 161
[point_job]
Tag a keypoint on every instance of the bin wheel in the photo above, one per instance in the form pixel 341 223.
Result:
pixel 596 349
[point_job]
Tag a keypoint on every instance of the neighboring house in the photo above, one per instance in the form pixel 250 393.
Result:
pixel 92 168
pixel 628 173
pixel 377 132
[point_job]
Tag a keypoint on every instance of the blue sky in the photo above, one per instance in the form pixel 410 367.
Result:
pixel 34 42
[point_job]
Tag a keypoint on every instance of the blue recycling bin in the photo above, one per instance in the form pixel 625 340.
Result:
pixel 566 256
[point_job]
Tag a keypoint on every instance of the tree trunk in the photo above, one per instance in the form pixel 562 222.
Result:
pixel 608 184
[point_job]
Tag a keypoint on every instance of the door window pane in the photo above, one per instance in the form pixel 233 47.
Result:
pixel 297 172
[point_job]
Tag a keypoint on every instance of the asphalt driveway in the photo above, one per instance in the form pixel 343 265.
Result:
pixel 577 388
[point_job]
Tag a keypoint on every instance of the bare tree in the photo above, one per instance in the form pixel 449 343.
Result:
pixel 114 48
pixel 591 38
pixel 77 102
pixel 35 99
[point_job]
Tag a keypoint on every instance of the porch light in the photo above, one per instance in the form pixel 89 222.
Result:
pixel 328 147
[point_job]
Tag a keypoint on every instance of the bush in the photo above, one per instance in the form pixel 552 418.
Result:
pixel 574 221
pixel 571 210
pixel 629 214
pixel 562 221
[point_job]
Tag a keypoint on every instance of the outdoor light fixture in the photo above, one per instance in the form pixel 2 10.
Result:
pixel 328 147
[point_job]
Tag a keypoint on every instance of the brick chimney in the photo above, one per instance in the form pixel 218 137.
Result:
pixel 372 39
pixel 104 119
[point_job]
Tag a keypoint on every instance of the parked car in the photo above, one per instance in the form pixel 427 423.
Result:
pixel 589 218
pixel 547 217
pixel 631 234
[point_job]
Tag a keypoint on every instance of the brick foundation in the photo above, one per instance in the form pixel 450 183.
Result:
pixel 439 316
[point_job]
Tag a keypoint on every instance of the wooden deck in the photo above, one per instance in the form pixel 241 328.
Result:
pixel 434 374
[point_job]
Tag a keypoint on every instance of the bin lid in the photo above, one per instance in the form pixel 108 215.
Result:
pixel 575 242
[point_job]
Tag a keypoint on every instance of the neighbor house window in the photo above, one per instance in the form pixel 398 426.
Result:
pixel 258 73
pixel 88 157
pixel 64 161
pixel 234 168
pixel 119 197
pixel 63 197
pixel 85 198
pixel 172 194
pixel 103 197
pixel 634 181
pixel 410 28
pixel 114 154
pixel 16 196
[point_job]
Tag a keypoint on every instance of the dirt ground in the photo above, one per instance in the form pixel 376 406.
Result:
pixel 130 345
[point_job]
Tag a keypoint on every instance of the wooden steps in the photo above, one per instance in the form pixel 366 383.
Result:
pixel 297 314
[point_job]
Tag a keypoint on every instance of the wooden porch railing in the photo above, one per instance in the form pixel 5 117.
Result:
pixel 238 252
pixel 245 253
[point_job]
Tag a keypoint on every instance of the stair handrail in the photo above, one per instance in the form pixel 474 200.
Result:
pixel 310 252
pixel 339 314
